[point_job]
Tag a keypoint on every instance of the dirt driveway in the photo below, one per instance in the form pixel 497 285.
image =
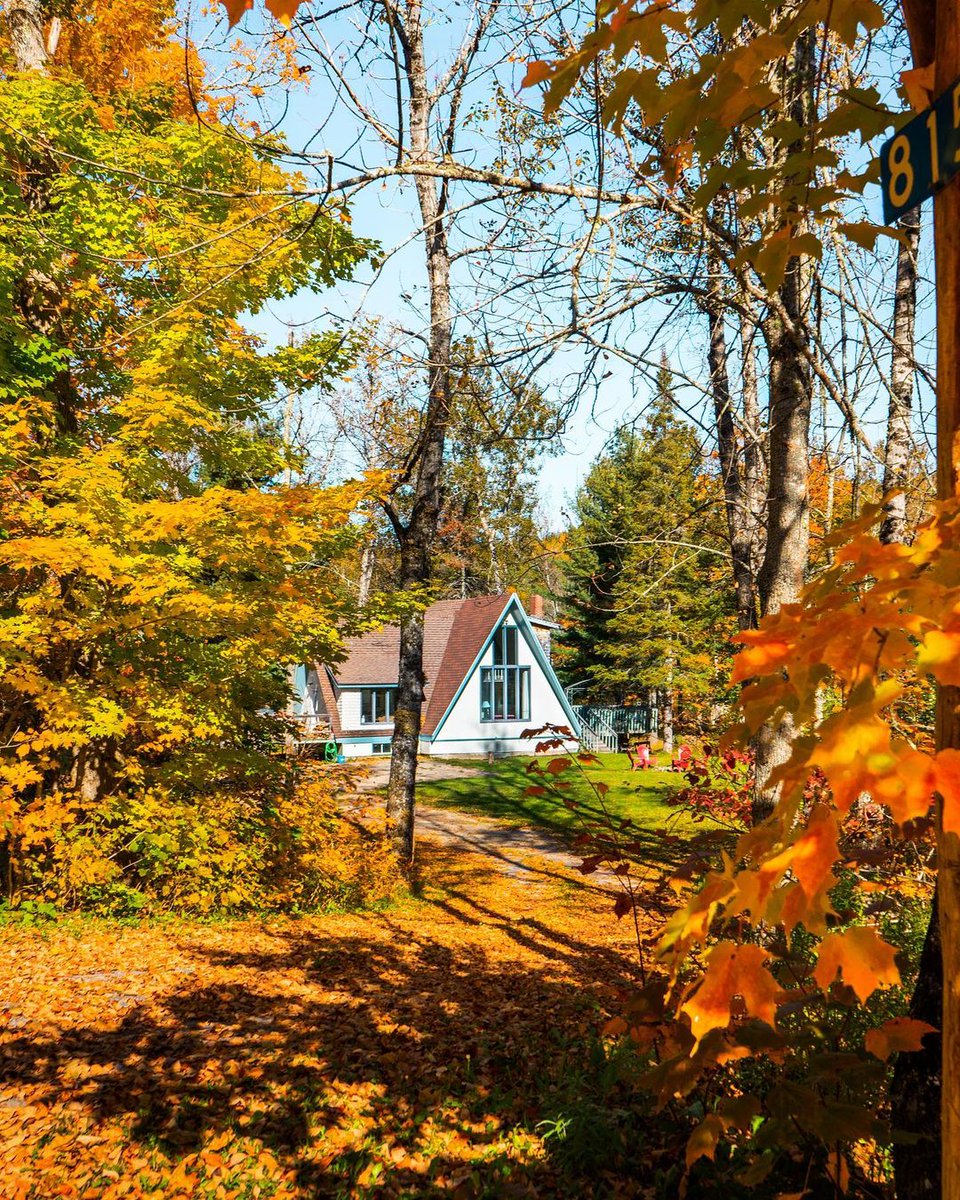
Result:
pixel 519 852
pixel 428 771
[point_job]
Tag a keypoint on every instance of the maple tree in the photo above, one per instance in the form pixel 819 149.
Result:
pixel 709 76
pixel 156 576
pixel 879 620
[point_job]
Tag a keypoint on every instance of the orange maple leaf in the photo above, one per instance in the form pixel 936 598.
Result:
pixel 761 655
pixel 537 72
pixel 947 775
pixel 899 1033
pixel 283 10
pixel 236 9
pixel 861 956
pixel 732 971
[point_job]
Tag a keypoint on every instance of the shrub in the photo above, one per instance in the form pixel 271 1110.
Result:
pixel 284 845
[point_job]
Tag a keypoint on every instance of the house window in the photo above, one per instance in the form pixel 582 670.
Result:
pixel 505 646
pixel 376 706
pixel 505 687
pixel 380 748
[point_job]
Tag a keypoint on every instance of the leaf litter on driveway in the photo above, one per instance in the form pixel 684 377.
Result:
pixel 407 1052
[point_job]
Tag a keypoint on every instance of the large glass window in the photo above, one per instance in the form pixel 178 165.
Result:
pixel 505 687
pixel 376 706
pixel 505 646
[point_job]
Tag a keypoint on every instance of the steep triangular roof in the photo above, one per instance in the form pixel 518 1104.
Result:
pixel 454 632
pixel 474 622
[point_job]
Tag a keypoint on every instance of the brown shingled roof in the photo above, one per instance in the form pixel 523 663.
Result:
pixel 453 634
pixel 471 624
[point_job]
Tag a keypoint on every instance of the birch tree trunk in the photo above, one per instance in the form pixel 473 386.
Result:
pixel 25 29
pixel 495 579
pixel 902 370
pixel 754 462
pixel 668 713
pixel 368 562
pixel 735 501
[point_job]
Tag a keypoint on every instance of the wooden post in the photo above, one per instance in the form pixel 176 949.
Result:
pixel 946 210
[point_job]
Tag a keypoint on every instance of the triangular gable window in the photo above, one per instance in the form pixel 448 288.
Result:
pixel 505 687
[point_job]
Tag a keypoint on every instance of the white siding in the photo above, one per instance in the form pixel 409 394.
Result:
pixel 349 709
pixel 350 715
pixel 349 705
pixel 464 733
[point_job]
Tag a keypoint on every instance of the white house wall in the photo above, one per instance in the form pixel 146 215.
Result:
pixel 349 705
pixel 349 709
pixel 464 733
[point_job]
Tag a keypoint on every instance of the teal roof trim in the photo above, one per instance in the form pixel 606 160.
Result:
pixel 523 623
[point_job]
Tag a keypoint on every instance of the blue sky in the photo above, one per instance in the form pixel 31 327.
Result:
pixel 388 213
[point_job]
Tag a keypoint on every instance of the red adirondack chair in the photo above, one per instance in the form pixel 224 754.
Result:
pixel 682 761
pixel 639 755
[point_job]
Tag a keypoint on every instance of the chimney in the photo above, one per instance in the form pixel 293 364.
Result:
pixel 535 612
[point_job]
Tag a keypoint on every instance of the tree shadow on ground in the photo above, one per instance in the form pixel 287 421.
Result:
pixel 657 833
pixel 429 1055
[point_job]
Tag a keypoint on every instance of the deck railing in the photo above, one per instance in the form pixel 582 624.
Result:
pixel 596 733
pixel 626 719
pixel 604 728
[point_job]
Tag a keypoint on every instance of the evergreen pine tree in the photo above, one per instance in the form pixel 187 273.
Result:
pixel 646 585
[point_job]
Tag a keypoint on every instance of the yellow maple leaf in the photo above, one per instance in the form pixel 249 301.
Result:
pixel 939 655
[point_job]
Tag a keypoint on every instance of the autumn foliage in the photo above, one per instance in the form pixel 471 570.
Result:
pixel 775 993
pixel 157 575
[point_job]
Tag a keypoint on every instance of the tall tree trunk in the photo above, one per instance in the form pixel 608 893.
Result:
pixel 916 1087
pixel 368 562
pixel 915 1091
pixel 38 296
pixel 735 500
pixel 902 370
pixel 786 551
pixel 917 1077
pixel 495 579
pixel 668 716
pixel 25 29
pixel 418 536
pixel 934 28
pixel 754 461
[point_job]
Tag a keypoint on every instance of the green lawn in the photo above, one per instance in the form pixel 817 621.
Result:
pixel 500 792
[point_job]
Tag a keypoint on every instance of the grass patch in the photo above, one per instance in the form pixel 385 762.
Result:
pixel 639 796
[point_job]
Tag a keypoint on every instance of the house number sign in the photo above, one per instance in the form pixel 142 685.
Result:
pixel 922 157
